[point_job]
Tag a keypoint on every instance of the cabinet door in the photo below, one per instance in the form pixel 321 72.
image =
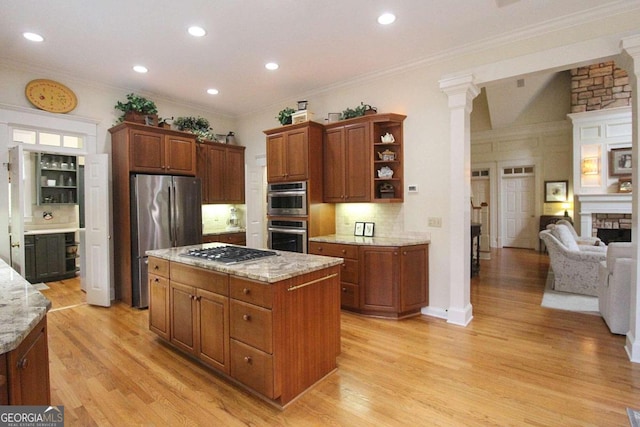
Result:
pixel 414 273
pixel 234 177
pixel 379 278
pixel 297 155
pixel 30 258
pixel 276 158
pixel 4 380
pixel 202 170
pixel 180 155
pixel 50 253
pixel 217 171
pixel 159 305
pixel 334 165
pixel 146 151
pixel 182 301
pixel 358 163
pixel 213 329
pixel 29 369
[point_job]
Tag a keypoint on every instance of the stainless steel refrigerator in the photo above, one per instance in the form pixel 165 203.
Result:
pixel 165 212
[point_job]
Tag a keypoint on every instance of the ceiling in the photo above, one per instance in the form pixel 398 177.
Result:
pixel 318 44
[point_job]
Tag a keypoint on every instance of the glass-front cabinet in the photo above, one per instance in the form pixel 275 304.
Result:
pixel 56 179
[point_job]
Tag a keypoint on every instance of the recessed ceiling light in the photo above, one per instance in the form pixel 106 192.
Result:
pixel 196 31
pixel 33 37
pixel 140 69
pixel 212 91
pixel 386 18
pixel 271 66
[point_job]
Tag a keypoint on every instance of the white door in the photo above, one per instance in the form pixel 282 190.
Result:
pixel 518 195
pixel 96 202
pixel 16 176
pixel 256 206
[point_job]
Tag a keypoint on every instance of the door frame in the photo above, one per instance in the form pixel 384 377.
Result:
pixel 536 162
pixel 493 199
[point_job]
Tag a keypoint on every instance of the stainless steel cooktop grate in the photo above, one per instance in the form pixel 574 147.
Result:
pixel 229 254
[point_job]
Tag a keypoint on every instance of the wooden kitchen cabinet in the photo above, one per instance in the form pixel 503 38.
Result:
pixel 159 296
pixel 349 273
pixel 156 150
pixel 233 238
pixel 383 281
pixel 27 369
pixel 294 152
pixel 354 153
pixel 347 164
pixel 138 148
pixel 221 169
pixel 199 314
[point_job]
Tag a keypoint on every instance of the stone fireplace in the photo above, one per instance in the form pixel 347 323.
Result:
pixel 605 215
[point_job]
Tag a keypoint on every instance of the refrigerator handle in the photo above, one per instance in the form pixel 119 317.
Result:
pixel 170 216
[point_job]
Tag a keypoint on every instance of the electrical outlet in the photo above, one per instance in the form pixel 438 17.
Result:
pixel 413 189
pixel 434 221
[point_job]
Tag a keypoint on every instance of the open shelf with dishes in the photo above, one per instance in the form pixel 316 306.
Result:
pixel 56 179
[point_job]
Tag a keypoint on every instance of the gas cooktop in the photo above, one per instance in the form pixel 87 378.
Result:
pixel 229 254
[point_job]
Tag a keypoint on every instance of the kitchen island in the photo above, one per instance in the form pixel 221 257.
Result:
pixel 24 354
pixel 270 325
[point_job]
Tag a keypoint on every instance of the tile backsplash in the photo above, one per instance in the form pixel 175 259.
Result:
pixel 388 218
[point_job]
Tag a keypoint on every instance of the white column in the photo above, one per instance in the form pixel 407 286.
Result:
pixel 631 57
pixel 461 91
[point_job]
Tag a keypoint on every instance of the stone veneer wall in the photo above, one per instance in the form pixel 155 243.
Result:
pixel 610 221
pixel 599 86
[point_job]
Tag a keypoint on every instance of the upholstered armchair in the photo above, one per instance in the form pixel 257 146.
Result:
pixel 614 290
pixel 575 267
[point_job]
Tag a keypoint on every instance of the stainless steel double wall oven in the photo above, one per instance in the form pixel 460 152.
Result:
pixel 287 211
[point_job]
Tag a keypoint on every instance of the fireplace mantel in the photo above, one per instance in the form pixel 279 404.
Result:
pixel 610 203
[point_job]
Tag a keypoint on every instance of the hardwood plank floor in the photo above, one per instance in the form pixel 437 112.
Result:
pixel 517 363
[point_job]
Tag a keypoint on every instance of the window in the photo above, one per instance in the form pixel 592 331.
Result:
pixel 50 139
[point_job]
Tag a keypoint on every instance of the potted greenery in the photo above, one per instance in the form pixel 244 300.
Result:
pixel 350 113
pixel 196 125
pixel 137 108
pixel 284 116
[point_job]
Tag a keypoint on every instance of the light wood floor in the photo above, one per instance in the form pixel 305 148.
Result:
pixel 516 364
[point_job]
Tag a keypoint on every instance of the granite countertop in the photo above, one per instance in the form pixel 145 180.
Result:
pixel 269 269
pixel 22 307
pixel 371 241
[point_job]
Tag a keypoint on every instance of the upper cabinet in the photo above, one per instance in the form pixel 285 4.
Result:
pixel 156 150
pixel 221 169
pixel 363 160
pixel 294 152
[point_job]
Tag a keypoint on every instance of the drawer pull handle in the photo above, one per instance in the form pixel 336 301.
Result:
pixel 156 267
pixel 156 280
pixel 246 291
pixel 246 317
pixel 248 359
pixel 23 364
pixel 344 289
pixel 293 288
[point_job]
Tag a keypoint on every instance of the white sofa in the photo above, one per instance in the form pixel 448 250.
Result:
pixel 614 291
pixel 575 267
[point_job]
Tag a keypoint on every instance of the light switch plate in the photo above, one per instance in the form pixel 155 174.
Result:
pixel 434 221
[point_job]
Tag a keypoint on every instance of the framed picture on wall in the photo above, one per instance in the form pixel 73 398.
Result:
pixel 556 191
pixel 620 162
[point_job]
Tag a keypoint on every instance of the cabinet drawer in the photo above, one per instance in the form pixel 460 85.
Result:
pixel 349 271
pixel 252 367
pixel 200 278
pixel 334 250
pixel 252 325
pixel 349 295
pixel 251 292
pixel 159 267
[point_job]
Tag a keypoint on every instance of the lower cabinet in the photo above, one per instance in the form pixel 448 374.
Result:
pixel 50 257
pixel 384 281
pixel 234 238
pixel 261 335
pixel 25 370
